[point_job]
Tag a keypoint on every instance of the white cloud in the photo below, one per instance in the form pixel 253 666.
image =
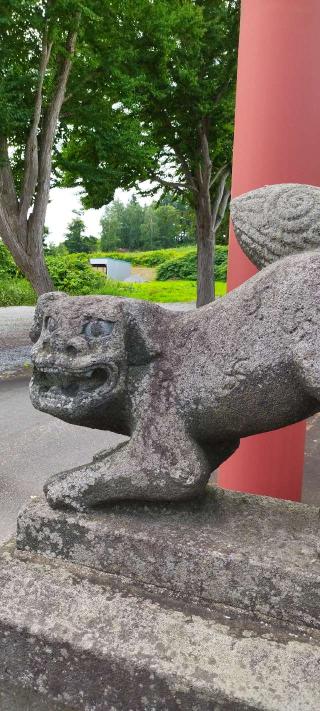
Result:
pixel 64 200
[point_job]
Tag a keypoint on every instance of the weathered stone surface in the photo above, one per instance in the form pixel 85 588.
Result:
pixel 254 553
pixel 17 698
pixel 277 221
pixel 184 387
pixel 92 645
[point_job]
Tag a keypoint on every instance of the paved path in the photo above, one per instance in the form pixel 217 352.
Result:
pixel 15 323
pixel 33 446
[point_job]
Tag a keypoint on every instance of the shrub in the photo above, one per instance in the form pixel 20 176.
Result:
pixel 185 267
pixel 16 292
pixel 7 265
pixel 147 259
pixel 72 273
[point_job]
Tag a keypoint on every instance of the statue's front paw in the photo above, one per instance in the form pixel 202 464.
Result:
pixel 60 493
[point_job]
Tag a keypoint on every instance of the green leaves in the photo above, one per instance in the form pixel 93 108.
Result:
pixel 157 70
pixel 185 266
pixel 151 227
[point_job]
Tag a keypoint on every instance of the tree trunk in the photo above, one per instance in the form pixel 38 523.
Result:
pixel 32 264
pixel 39 276
pixel 205 253
pixel 20 227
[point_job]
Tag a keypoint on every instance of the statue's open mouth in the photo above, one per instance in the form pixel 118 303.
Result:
pixel 55 382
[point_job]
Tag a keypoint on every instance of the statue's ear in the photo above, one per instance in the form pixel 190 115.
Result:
pixel 42 303
pixel 145 331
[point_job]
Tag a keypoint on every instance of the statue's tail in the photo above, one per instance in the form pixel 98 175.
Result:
pixel 277 221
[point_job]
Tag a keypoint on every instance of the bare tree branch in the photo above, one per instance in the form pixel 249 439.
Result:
pixel 206 168
pixel 37 217
pixel 31 152
pixel 219 173
pixel 230 74
pixel 191 183
pixel 185 168
pixel 8 196
pixel 199 176
pixel 221 200
pixel 170 184
pixel 223 207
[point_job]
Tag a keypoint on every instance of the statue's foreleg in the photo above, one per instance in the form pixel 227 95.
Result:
pixel 148 467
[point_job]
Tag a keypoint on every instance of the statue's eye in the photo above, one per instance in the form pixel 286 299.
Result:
pixel 49 323
pixel 98 328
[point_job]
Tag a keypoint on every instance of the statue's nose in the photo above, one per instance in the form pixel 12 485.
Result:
pixel 76 346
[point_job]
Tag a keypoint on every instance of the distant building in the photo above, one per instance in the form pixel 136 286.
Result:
pixel 114 268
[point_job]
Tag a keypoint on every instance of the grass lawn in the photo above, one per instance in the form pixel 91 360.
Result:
pixel 18 292
pixel 166 291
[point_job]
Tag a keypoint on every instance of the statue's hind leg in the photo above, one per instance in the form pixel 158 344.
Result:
pixel 307 359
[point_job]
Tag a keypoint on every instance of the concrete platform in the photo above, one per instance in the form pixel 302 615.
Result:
pixel 256 554
pixel 78 640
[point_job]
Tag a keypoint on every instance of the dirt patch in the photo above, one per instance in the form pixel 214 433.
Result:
pixel 147 273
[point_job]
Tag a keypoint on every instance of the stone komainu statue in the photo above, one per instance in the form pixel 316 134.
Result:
pixel 185 387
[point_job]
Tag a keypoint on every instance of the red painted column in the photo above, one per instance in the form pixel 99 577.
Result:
pixel 277 140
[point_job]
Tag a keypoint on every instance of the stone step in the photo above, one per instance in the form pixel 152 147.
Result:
pixel 86 641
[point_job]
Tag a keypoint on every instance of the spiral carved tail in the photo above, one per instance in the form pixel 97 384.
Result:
pixel 277 221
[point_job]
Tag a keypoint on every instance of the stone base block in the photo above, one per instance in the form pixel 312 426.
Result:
pixel 252 553
pixel 91 642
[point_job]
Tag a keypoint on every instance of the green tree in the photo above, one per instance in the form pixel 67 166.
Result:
pixel 176 89
pixel 111 226
pixel 166 224
pixel 50 70
pixel 133 218
pixel 186 54
pixel 53 249
pixel 149 231
pixel 76 240
pixel 37 46
pixel 186 231
pixel 161 227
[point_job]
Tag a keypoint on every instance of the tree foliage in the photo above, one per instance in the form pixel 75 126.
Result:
pixel 106 93
pixel 155 226
pixel 76 239
pixel 185 266
pixel 50 70
pixel 174 104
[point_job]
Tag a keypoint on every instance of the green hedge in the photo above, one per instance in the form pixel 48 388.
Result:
pixel 73 273
pixel 16 292
pixel 7 265
pixel 185 267
pixel 151 258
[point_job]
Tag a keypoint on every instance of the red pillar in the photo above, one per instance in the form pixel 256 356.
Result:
pixel 277 140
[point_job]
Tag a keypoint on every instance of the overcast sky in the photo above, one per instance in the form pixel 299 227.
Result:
pixel 62 203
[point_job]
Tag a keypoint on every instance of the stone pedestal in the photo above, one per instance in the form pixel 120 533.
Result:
pixel 203 606
pixel 254 553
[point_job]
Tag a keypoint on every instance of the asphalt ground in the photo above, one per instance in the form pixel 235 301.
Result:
pixel 33 446
pixel 15 323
